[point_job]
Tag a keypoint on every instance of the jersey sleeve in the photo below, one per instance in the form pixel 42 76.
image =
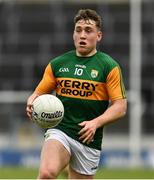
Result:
pixel 48 82
pixel 115 86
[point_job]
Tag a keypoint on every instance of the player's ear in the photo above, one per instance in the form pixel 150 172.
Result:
pixel 99 36
pixel 74 35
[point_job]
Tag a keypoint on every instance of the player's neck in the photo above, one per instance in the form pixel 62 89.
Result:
pixel 86 55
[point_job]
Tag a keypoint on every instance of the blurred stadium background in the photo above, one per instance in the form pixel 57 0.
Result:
pixel 34 31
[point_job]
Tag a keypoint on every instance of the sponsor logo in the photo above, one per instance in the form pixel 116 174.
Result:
pixel 62 69
pixel 80 66
pixel 56 114
pixel 76 88
pixel 95 167
pixel 94 73
pixel 34 115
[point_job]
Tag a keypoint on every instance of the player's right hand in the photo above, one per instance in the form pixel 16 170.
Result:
pixel 30 104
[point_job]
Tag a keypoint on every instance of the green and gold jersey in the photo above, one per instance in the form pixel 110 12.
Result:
pixel 85 85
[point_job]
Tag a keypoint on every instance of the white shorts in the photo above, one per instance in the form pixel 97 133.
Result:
pixel 84 159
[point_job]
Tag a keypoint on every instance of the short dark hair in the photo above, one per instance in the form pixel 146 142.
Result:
pixel 87 14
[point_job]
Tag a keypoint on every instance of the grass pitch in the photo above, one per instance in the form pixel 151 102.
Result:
pixel 30 173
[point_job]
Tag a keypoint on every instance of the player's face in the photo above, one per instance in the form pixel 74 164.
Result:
pixel 86 35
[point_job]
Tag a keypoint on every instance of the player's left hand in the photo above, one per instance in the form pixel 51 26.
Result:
pixel 88 131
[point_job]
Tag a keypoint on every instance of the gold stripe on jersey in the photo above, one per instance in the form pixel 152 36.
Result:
pixel 48 82
pixel 81 89
pixel 114 84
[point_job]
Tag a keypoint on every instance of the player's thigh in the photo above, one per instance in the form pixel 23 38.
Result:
pixel 54 156
pixel 75 175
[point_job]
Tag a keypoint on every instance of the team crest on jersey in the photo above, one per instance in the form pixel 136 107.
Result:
pixel 94 73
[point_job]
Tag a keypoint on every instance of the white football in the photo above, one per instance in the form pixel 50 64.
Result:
pixel 48 111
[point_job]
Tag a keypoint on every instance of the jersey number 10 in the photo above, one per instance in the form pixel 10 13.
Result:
pixel 78 71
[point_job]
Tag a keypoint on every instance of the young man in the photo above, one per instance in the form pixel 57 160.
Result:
pixel 85 80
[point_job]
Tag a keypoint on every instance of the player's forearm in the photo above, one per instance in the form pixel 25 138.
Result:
pixel 113 113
